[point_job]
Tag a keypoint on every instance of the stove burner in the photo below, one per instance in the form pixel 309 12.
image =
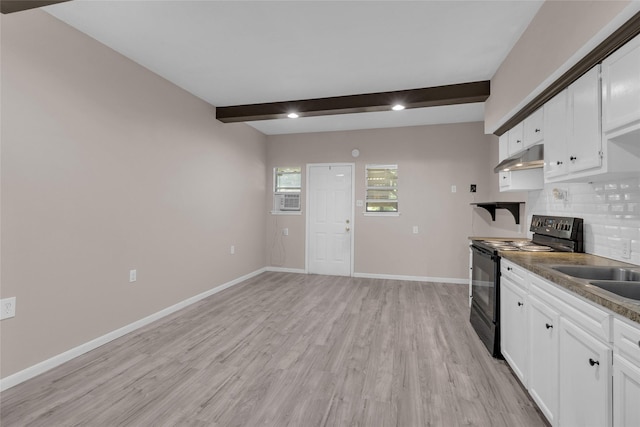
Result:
pixel 519 245
pixel 535 248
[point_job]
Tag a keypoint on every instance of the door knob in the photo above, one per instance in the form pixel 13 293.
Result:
pixel 347 229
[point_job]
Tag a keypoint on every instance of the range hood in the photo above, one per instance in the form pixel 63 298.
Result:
pixel 531 158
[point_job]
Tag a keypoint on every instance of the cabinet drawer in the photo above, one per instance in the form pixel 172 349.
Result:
pixel 589 316
pixel 515 273
pixel 626 340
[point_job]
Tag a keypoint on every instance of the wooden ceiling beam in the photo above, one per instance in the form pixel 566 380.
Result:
pixel 462 93
pixel 11 6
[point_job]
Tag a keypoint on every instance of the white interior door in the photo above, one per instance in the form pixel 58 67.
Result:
pixel 329 219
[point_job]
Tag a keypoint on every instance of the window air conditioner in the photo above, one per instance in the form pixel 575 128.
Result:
pixel 286 202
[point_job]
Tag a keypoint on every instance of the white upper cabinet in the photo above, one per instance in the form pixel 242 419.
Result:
pixel 573 140
pixel 534 128
pixel 503 147
pixel 621 92
pixel 555 145
pixel 516 138
pixel 584 145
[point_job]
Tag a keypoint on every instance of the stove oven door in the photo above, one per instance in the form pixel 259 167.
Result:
pixel 484 297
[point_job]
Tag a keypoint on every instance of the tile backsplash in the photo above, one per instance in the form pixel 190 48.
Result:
pixel 610 209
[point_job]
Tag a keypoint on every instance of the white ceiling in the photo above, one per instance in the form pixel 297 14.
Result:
pixel 245 52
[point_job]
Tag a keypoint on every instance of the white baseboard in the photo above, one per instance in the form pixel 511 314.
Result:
pixel 39 368
pixel 286 270
pixel 412 278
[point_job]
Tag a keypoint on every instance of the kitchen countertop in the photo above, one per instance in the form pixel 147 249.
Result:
pixel 540 262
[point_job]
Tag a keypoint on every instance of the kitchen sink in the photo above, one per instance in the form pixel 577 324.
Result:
pixel 624 289
pixel 618 274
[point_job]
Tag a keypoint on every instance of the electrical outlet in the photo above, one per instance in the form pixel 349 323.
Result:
pixel 285 231
pixel 7 308
pixel 454 188
pixel 472 188
pixel 232 250
pixel 626 248
pixel 133 276
pixel 415 229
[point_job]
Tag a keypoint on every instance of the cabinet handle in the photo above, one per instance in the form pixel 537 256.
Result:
pixel 520 304
pixel 518 141
pixel 572 158
pixel 593 362
pixel 548 325
pixel 558 163
pixel 537 130
pixel 509 268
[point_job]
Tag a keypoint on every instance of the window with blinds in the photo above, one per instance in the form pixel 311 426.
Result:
pixel 382 188
pixel 287 180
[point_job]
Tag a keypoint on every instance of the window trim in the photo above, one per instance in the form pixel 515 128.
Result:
pixel 367 188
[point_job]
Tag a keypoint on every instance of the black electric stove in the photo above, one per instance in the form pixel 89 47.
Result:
pixel 550 234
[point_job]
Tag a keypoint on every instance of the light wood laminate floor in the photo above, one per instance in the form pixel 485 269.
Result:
pixel 287 349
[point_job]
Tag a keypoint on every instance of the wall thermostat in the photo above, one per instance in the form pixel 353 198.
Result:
pixel 355 152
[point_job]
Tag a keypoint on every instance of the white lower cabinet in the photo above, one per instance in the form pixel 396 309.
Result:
pixel 544 328
pixel 585 363
pixel 626 374
pixel 559 346
pixel 626 390
pixel 513 320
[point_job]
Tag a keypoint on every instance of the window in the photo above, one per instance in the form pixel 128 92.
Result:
pixel 287 180
pixel 382 188
pixel 287 183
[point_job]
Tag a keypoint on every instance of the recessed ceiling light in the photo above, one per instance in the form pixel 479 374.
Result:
pixel 398 107
pixel 293 115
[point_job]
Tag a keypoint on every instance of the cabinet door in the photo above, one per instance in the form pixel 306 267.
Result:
pixel 621 88
pixel 585 139
pixel 503 147
pixel 505 179
pixel 585 379
pixel 513 328
pixel 543 360
pixel 534 128
pixel 516 139
pixel 626 389
pixel 555 140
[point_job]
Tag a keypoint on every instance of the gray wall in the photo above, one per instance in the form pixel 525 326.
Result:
pixel 557 32
pixel 107 167
pixel 430 160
